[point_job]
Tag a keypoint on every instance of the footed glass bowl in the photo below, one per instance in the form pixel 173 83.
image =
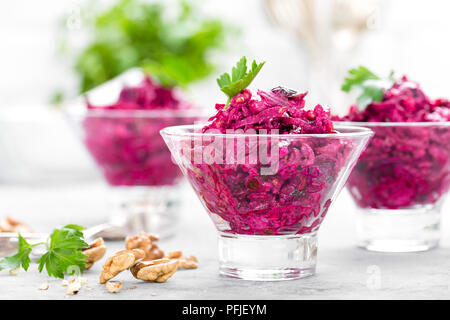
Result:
pixel 267 194
pixel 399 184
pixel 134 160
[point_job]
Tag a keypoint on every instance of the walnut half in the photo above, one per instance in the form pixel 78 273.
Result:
pixel 190 262
pixel 158 270
pixel 145 242
pixel 119 262
pixel 94 252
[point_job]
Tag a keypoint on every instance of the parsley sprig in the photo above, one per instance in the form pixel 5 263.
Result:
pixel 64 253
pixel 371 86
pixel 21 258
pixel 239 79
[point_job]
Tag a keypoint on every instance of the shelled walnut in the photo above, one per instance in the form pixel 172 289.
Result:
pixel 119 262
pixel 190 262
pixel 44 286
pixel 158 270
pixel 74 287
pixel 94 252
pixel 145 242
pixel 113 286
pixel 14 272
pixel 9 224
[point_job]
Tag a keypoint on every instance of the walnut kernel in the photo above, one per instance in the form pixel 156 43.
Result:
pixel 44 286
pixel 14 272
pixel 73 287
pixel 119 262
pixel 113 286
pixel 158 270
pixel 145 242
pixel 94 252
pixel 9 224
pixel 190 262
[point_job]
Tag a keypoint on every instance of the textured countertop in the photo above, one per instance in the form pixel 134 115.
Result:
pixel 343 271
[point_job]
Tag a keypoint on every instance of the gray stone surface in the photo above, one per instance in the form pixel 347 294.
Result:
pixel 343 271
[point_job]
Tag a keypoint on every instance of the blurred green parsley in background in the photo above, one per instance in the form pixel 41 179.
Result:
pixel 175 48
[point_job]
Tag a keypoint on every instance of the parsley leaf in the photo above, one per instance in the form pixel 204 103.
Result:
pixel 356 77
pixel 21 258
pixel 239 79
pixel 369 94
pixel 64 253
pixel 371 86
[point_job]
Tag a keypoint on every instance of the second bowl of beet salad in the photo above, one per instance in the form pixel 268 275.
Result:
pixel 122 136
pixel 401 179
pixel 266 169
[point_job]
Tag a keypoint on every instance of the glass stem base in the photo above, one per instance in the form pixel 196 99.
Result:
pixel 149 209
pixel 267 258
pixel 399 230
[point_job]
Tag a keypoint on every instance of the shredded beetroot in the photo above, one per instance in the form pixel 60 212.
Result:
pixel 145 96
pixel 275 110
pixel 403 102
pixel 403 166
pixel 296 197
pixel 127 146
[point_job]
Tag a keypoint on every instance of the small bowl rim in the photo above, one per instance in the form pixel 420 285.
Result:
pixel 180 131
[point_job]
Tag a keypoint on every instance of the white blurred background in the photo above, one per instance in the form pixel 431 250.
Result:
pixel 409 36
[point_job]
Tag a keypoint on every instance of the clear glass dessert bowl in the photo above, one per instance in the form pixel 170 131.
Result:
pixel 266 193
pixel 135 162
pixel 399 185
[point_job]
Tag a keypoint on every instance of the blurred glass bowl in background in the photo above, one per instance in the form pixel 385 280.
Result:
pixel 399 184
pixel 132 156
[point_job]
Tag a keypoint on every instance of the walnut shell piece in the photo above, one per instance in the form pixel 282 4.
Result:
pixel 145 242
pixel 158 270
pixel 94 252
pixel 119 262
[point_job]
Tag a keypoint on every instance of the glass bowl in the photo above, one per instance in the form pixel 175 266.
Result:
pixel 136 164
pixel 266 193
pixel 399 184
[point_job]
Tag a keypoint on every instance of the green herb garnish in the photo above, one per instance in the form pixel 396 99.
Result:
pixel 21 258
pixel 372 86
pixel 173 46
pixel 240 78
pixel 64 253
